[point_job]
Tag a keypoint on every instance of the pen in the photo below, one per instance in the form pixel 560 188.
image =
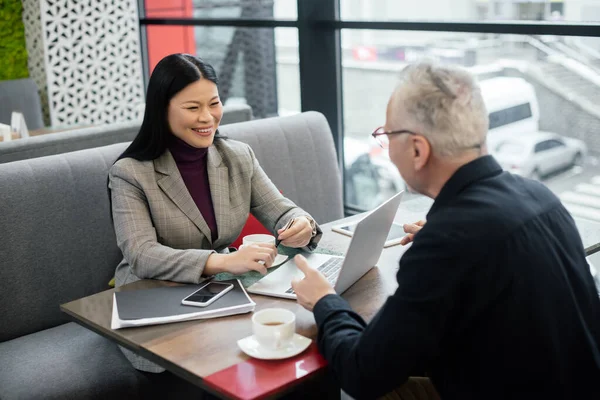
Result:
pixel 286 227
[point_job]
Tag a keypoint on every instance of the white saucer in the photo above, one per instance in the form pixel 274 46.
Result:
pixel 250 346
pixel 280 259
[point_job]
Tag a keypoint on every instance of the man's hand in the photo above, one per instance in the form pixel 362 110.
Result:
pixel 411 229
pixel 313 287
pixel 297 235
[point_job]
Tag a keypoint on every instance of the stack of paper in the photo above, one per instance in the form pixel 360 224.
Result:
pixel 163 305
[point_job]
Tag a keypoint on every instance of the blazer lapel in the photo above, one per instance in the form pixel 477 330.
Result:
pixel 174 187
pixel 218 178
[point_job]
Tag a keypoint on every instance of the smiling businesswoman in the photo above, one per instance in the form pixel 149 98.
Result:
pixel 181 193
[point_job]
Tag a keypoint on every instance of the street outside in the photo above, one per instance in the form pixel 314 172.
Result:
pixel 578 188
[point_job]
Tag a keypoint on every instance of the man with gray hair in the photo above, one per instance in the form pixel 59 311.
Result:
pixel 495 299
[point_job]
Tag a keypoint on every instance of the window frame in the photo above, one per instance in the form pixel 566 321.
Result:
pixel 319 26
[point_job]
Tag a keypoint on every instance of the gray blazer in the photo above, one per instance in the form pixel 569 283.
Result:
pixel 159 228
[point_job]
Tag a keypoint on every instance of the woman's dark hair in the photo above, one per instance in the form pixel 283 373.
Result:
pixel 171 75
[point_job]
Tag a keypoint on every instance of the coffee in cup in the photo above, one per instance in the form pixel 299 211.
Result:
pixel 258 238
pixel 274 328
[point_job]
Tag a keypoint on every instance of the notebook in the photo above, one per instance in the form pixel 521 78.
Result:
pixel 163 305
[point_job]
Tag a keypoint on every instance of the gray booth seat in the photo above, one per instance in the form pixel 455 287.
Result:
pixel 299 156
pixel 58 245
pixel 95 136
pixel 21 95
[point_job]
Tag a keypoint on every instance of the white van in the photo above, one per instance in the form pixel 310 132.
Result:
pixel 512 106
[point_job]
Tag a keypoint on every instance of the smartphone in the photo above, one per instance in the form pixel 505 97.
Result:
pixel 394 236
pixel 207 294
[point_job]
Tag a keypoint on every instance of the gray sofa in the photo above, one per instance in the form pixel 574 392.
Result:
pixel 96 136
pixel 58 245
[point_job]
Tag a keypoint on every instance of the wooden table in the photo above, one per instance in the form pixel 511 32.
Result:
pixel 206 353
pixel 50 129
pixel 12 135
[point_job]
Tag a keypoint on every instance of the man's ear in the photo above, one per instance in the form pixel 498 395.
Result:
pixel 421 151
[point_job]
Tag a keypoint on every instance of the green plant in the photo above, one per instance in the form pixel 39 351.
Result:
pixel 13 52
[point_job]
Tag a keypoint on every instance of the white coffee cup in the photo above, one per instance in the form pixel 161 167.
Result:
pixel 274 328
pixel 258 238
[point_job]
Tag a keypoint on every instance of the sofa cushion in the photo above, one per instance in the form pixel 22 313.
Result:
pixel 67 362
pixel 58 243
pixel 299 156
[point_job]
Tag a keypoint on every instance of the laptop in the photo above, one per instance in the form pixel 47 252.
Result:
pixel 341 272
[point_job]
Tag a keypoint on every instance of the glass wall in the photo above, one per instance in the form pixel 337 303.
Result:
pixel 280 9
pixel 251 68
pixel 471 10
pixel 540 92
pixel 542 88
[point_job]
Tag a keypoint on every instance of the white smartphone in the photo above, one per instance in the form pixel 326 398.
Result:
pixel 394 236
pixel 207 294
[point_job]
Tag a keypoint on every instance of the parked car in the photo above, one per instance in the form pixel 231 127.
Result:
pixel 538 154
pixel 370 176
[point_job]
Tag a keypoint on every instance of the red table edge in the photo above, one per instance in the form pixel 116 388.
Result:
pixel 272 376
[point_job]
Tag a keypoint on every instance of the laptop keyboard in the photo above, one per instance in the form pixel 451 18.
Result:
pixel 331 270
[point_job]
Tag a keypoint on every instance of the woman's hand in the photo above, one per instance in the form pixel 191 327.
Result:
pixel 298 234
pixel 254 257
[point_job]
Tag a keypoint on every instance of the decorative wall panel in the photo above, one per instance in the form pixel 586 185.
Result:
pixel 92 60
pixel 35 51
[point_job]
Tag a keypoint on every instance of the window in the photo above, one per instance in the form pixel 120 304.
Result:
pixel 529 84
pixel 282 9
pixel 498 9
pixel 254 65
pixel 543 146
pixel 510 115
pixel 470 10
pixel 551 144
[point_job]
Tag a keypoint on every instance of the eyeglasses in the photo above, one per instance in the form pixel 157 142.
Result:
pixel 383 137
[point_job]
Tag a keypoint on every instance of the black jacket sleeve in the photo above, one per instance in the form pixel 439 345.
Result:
pixel 372 359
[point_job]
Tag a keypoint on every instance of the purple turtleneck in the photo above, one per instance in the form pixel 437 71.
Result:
pixel 191 163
